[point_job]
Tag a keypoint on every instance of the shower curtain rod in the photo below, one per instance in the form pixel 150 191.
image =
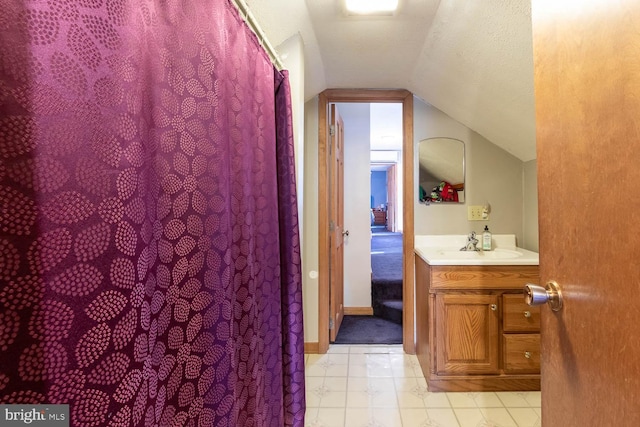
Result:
pixel 255 27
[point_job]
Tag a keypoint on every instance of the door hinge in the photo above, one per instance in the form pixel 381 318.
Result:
pixel 332 130
pixel 331 323
pixel 332 226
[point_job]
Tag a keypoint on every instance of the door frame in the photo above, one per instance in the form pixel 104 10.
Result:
pixel 408 195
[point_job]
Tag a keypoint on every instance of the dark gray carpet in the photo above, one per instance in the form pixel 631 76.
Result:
pixel 386 242
pixel 368 330
pixel 386 258
pixel 386 268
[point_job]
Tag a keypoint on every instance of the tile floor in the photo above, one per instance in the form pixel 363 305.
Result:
pixel 381 386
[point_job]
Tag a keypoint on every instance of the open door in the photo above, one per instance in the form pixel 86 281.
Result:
pixel 336 222
pixel 587 94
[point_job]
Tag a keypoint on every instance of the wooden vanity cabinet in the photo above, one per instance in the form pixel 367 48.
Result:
pixel 474 331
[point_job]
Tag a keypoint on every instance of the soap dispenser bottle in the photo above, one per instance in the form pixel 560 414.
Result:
pixel 486 239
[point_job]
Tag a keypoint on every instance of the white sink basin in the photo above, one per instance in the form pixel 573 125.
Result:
pixel 445 250
pixel 494 254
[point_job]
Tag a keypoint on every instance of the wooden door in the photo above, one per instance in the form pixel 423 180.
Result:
pixel 587 94
pixel 336 222
pixel 467 334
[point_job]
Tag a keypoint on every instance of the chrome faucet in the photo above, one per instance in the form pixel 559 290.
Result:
pixel 472 243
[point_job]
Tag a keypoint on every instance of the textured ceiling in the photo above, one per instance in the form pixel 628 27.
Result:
pixel 471 59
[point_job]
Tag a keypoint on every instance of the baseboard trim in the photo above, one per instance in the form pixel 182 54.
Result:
pixel 311 348
pixel 358 311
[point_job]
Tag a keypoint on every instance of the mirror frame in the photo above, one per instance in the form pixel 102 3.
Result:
pixel 464 169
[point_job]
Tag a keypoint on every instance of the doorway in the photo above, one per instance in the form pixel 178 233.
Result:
pixel 365 96
pixel 372 249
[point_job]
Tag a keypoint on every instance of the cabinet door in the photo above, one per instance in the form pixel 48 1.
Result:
pixel 467 334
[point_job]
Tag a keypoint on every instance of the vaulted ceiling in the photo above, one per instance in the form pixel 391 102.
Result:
pixel 471 59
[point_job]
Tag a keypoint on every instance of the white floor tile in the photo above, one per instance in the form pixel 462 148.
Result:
pixel 371 384
pixel 410 383
pixel 498 417
pixel 325 417
pixel 381 386
pixel 373 417
pixel 405 366
pixel 337 370
pixel 470 417
pixel 525 399
pixel 407 399
pixel 487 400
pixel 333 399
pixel 339 349
pixel 414 417
pixel 372 399
pixel 442 418
pixel 534 398
pixel 525 417
pixel 413 393
pixel 336 383
pixel 462 400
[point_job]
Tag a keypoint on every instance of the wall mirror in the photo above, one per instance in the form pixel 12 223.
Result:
pixel 441 170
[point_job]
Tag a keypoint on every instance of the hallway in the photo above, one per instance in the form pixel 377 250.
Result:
pixel 386 274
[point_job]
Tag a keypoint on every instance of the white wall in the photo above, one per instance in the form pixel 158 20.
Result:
pixel 530 177
pixel 291 53
pixel 492 175
pixel 357 191
pixel 310 223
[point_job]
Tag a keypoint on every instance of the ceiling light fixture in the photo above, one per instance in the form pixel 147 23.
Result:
pixel 371 6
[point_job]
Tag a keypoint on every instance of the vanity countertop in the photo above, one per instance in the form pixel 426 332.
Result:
pixel 445 250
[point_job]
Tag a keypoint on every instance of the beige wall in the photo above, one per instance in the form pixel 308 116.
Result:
pixel 492 175
pixel 530 177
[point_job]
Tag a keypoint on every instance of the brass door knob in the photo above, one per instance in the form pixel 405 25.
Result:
pixel 537 295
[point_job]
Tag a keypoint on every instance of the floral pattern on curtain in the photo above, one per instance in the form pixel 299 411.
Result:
pixel 149 248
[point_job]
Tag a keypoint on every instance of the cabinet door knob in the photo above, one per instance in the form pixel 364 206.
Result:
pixel 494 307
pixel 527 354
pixel 527 314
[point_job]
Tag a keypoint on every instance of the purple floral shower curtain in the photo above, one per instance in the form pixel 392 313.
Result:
pixel 149 248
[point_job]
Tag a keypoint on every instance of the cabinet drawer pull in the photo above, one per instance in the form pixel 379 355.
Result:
pixel 527 354
pixel 494 307
pixel 527 314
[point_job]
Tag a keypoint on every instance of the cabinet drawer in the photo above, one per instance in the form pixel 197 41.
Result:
pixel 518 316
pixel 522 353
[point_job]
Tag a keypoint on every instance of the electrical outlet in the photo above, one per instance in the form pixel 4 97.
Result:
pixel 474 213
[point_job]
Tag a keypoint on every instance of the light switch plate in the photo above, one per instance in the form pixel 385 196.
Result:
pixel 474 213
